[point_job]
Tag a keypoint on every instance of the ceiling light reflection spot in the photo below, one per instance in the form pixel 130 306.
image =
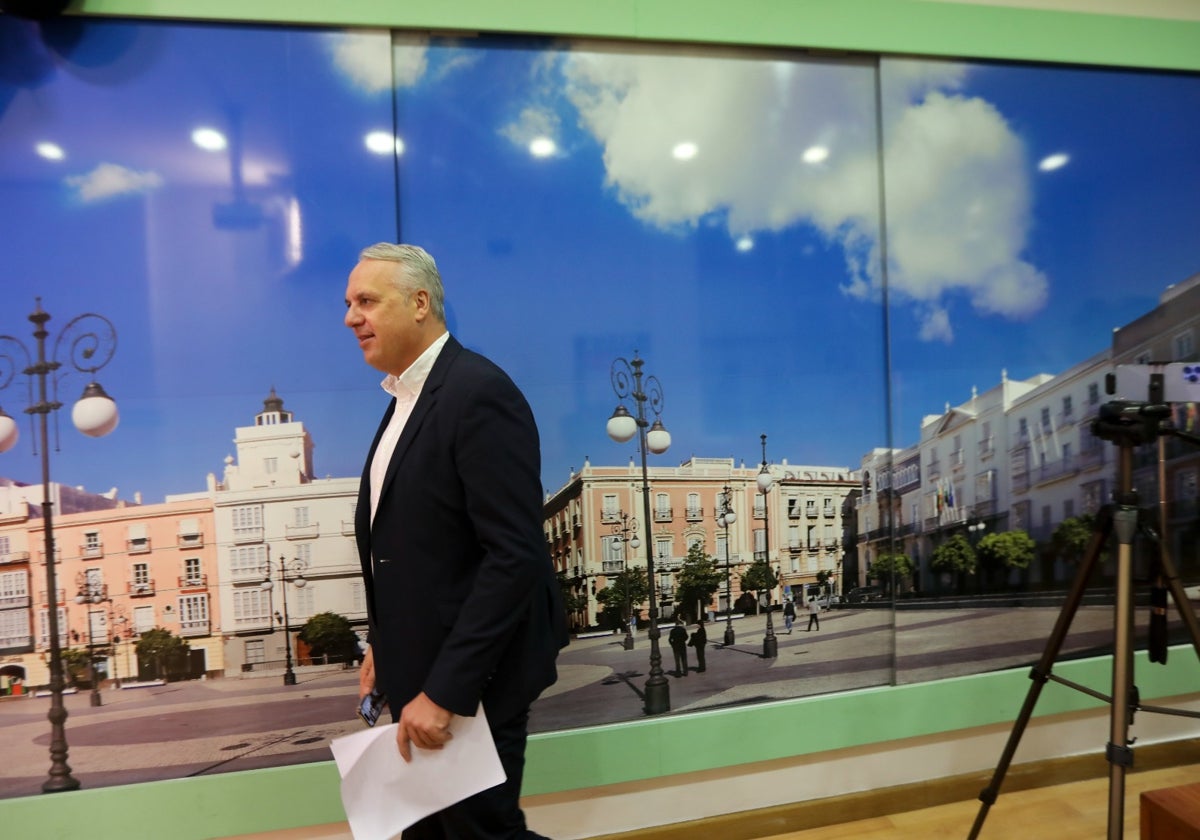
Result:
pixel 542 147
pixel 209 139
pixel 1055 161
pixel 744 243
pixel 50 151
pixel 815 154
pixel 685 151
pixel 383 143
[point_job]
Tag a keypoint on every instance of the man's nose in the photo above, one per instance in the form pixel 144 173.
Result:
pixel 352 316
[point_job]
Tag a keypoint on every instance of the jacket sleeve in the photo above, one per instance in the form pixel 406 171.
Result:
pixel 498 462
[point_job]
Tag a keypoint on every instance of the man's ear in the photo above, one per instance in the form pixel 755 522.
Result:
pixel 421 298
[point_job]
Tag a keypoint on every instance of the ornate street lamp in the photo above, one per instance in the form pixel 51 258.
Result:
pixel 764 481
pixel 89 590
pixel 725 518
pixel 295 568
pixel 91 341
pixel 621 530
pixel 626 378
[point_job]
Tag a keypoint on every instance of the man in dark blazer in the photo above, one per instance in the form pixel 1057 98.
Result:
pixel 462 602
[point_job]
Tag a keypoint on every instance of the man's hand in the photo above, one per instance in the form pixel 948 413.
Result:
pixel 366 675
pixel 423 723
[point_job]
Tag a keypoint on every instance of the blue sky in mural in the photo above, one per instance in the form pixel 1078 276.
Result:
pixel 716 210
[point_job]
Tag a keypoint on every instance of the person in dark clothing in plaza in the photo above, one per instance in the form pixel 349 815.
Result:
pixel 789 614
pixel 678 637
pixel 698 640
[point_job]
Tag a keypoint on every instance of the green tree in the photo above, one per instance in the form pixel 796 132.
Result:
pixel 698 579
pixel 626 590
pixel 890 568
pixel 955 557
pixel 1000 552
pixel 759 577
pixel 329 634
pixel 76 663
pixel 161 653
pixel 1070 539
pixel 574 602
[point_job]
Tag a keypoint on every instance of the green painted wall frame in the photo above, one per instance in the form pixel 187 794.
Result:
pixel 262 800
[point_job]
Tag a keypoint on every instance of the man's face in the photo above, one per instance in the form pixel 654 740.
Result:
pixel 386 321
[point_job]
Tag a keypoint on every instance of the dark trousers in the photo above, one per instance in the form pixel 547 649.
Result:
pixel 699 657
pixel 680 652
pixel 813 619
pixel 493 814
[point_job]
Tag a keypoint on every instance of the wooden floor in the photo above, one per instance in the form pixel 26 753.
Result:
pixel 1074 811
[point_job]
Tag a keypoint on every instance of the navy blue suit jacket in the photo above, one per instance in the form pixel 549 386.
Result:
pixel 462 599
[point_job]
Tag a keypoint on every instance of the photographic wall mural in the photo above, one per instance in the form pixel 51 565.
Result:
pixel 891 285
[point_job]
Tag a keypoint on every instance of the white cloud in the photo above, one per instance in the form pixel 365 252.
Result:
pixel 958 188
pixel 109 180
pixel 531 124
pixel 365 59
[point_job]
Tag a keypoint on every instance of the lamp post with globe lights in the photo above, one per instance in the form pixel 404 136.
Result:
pixel 89 590
pixel 628 380
pixel 765 481
pixel 290 571
pixel 725 518
pixel 621 528
pixel 90 341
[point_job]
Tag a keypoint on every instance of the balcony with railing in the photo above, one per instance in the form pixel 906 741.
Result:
pixel 811 511
pixel 14 557
pixel 143 588
pixel 198 581
pixel 987 447
pixel 194 539
pixel 1054 470
pixel 138 546
pixel 610 515
pixel 8 602
pixel 662 514
pixel 1020 482
pixel 42 596
pixel 193 628
pixel 695 514
pixel 250 534
pixel 90 550
pixel 957 460
pixel 302 532
pixel 57 556
pixel 828 511
pixel 612 567
pixel 934 469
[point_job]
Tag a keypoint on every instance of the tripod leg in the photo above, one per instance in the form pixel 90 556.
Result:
pixel 1041 672
pixel 1118 751
pixel 1181 600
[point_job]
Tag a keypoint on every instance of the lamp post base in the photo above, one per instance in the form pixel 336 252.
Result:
pixel 627 642
pixel 770 647
pixel 728 636
pixel 289 678
pixel 96 699
pixel 658 696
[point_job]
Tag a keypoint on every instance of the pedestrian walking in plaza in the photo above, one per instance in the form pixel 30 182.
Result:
pixel 789 615
pixel 632 623
pixel 678 637
pixel 698 640
pixel 814 614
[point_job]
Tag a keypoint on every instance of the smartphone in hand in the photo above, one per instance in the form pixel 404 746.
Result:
pixel 371 707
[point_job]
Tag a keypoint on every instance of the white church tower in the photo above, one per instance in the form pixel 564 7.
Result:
pixel 275 452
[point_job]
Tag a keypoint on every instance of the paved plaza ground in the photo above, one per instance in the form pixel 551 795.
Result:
pixel 240 723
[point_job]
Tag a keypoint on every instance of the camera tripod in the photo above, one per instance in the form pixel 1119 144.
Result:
pixel 1126 424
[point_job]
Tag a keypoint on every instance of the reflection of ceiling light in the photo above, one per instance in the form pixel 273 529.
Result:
pixel 815 154
pixel 685 151
pixel 209 139
pixel 1055 161
pixel 745 243
pixel 383 143
pixel 542 147
pixel 50 151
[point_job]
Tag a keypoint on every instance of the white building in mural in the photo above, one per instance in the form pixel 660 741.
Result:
pixel 270 510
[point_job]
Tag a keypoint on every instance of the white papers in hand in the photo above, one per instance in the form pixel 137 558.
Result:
pixel 383 795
